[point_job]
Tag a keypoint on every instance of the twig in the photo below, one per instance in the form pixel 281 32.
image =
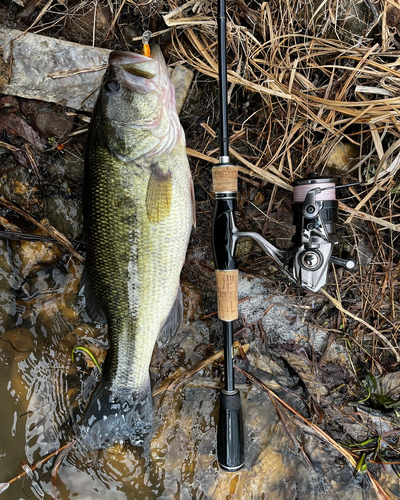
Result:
pixel 72 72
pixel 38 464
pixel 169 385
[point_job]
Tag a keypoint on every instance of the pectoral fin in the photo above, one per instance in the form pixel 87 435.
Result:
pixel 159 194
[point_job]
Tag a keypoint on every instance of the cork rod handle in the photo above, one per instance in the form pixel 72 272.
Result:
pixel 227 294
pixel 225 178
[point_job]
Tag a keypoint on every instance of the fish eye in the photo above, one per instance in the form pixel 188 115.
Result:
pixel 112 86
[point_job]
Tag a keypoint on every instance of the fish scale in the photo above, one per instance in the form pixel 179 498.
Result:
pixel 138 214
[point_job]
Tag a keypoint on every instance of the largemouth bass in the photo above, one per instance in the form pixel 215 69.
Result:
pixel 138 214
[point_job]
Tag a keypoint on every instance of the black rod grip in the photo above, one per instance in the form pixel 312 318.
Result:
pixel 230 442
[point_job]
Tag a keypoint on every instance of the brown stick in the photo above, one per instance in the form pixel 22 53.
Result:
pixel 41 462
pixel 169 385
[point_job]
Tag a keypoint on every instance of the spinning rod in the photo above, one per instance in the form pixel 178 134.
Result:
pixel 315 213
pixel 230 427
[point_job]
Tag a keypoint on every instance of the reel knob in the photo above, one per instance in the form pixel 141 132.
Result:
pixel 346 261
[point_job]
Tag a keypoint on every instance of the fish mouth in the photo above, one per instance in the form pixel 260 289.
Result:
pixel 137 71
pixel 134 64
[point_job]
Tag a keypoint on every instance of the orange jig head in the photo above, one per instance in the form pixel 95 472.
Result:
pixel 145 40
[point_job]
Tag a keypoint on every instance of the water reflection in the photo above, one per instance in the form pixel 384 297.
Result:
pixel 41 390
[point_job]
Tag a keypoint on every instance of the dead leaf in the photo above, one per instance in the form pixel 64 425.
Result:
pixel 306 371
pixel 389 385
pixel 20 127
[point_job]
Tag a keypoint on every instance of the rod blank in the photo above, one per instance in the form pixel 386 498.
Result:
pixel 223 82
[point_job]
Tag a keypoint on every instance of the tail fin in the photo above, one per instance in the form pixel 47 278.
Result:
pixel 116 414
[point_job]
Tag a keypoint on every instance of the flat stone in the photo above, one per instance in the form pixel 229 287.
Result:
pixel 30 75
pixel 65 214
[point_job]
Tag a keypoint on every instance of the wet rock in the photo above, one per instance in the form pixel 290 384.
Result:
pixel 19 185
pixel 70 314
pixel 7 283
pixel 333 375
pixel 86 20
pixel 65 214
pixel 49 120
pixel 343 157
pixel 86 333
pixel 71 167
pixel 21 341
pixel 30 255
pixel 72 285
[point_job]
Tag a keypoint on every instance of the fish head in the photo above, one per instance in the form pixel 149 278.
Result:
pixel 137 104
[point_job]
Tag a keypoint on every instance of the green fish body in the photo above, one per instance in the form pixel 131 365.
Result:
pixel 138 214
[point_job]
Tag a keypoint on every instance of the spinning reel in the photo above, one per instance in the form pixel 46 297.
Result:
pixel 315 210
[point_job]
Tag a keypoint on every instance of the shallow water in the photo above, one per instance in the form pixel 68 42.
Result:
pixel 40 389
